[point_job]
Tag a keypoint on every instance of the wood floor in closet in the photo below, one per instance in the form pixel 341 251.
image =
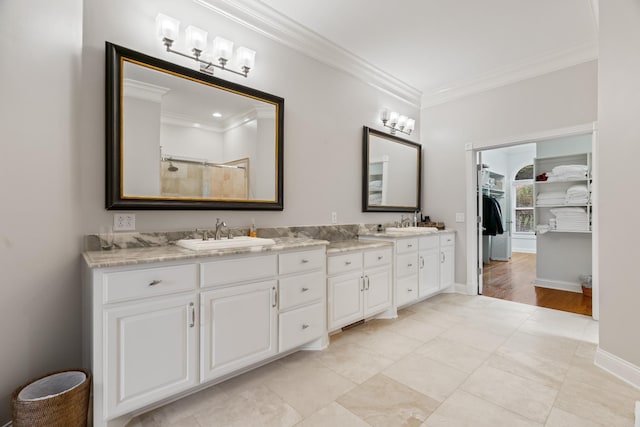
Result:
pixel 513 280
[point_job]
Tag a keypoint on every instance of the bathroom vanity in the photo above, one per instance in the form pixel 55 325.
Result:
pixel 164 322
pixel 423 263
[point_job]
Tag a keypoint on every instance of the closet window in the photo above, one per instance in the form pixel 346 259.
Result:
pixel 523 200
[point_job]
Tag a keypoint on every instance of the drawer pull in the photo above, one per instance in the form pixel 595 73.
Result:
pixel 275 296
pixel 410 290
pixel 305 289
pixel 380 257
pixel 409 246
pixel 304 261
pixel 347 263
pixel 155 282
pixel 409 265
pixel 193 315
pixel 305 326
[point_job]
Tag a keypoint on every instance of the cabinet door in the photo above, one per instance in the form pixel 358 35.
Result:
pixel 151 352
pixel 238 327
pixel 429 272
pixel 345 300
pixel 447 266
pixel 377 294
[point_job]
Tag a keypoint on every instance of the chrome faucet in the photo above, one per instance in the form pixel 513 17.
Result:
pixel 219 226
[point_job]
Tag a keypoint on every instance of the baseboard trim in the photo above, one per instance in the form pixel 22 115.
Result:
pixel 620 368
pixel 558 284
pixel 459 288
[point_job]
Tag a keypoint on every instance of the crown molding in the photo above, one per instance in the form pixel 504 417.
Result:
pixel 144 91
pixel 533 67
pixel 266 21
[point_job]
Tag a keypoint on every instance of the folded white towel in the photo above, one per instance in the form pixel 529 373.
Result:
pixel 542 228
pixel 569 169
pixel 551 195
pixel 577 190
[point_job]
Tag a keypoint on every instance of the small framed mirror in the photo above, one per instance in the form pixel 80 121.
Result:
pixel 391 173
pixel 178 138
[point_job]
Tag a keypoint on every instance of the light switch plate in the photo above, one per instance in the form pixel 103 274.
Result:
pixel 459 216
pixel 124 222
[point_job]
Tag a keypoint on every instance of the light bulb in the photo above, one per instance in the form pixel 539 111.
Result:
pixel 246 57
pixel 411 125
pixel 402 120
pixel 393 118
pixel 196 38
pixel 222 49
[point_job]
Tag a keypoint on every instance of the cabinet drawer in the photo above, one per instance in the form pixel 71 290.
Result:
pixel 429 242
pixel 448 239
pixel 225 271
pixel 302 289
pixel 347 262
pixel 377 258
pixel 407 264
pixel 407 290
pixel 301 326
pixel 126 285
pixel 296 262
pixel 407 245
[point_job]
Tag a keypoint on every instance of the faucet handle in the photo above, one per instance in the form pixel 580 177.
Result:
pixel 205 234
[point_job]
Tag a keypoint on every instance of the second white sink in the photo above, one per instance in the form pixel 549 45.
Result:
pixel 416 230
pixel 235 242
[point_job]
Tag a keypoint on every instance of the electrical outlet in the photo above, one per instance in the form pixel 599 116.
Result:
pixel 334 217
pixel 124 222
pixel 460 217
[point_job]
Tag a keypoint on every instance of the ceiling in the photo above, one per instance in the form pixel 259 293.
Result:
pixel 447 48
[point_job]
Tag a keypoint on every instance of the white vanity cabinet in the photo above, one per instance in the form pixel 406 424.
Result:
pixel 359 285
pixel 159 331
pixel 150 336
pixel 429 265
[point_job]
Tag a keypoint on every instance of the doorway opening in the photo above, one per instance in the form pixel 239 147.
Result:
pixel 541 251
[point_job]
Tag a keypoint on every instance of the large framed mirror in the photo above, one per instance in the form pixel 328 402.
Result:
pixel 178 138
pixel 391 173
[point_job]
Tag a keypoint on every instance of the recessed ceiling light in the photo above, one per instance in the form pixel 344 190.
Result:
pixel 217 115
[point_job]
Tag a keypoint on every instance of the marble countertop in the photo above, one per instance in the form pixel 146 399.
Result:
pixel 404 234
pixel 133 256
pixel 354 245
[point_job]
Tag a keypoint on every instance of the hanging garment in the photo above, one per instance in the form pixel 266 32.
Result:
pixel 491 216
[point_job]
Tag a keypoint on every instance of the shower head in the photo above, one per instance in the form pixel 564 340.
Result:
pixel 172 168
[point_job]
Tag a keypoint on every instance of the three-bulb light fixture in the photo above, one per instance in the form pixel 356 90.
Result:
pixel 396 122
pixel 196 38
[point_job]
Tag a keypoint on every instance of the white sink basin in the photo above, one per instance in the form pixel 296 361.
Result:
pixel 235 242
pixel 415 230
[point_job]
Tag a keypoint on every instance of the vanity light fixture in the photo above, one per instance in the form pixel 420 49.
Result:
pixel 396 122
pixel 196 38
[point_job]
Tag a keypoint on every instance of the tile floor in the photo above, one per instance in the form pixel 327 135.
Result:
pixel 452 360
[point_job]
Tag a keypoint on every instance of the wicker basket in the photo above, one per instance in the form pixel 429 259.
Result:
pixel 58 399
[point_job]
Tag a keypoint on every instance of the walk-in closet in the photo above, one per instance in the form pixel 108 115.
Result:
pixel 536 222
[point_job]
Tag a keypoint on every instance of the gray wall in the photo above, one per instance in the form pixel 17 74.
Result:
pixel 552 101
pixel 619 134
pixel 52 126
pixel 42 211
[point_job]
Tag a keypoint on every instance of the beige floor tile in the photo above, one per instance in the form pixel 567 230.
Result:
pixel 475 336
pixel 522 396
pixel 333 415
pixel 560 418
pixel 307 385
pixel 389 344
pixel 530 365
pixel 427 376
pixel 454 354
pixel 591 402
pixel 425 313
pixel 259 407
pixel 558 323
pixel 353 361
pixel 465 410
pixel 382 402
pixel 552 347
pixel 416 329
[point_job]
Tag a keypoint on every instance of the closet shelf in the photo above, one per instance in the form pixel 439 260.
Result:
pixel 579 205
pixel 561 182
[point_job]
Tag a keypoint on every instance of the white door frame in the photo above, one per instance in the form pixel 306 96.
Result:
pixel 471 199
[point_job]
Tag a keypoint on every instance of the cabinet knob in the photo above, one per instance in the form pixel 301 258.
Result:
pixel 409 246
pixel 347 263
pixel 305 326
pixel 409 265
pixel 154 282
pixel 409 290
pixel 304 261
pixel 380 257
pixel 305 289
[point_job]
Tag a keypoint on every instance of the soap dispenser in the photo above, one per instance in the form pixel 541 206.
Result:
pixel 252 229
